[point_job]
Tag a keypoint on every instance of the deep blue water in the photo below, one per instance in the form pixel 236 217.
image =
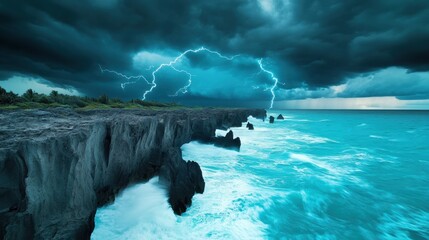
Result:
pixel 314 175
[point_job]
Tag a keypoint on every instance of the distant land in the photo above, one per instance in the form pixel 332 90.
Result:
pixel 30 100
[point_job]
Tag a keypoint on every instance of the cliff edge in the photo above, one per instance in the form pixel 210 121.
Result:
pixel 58 165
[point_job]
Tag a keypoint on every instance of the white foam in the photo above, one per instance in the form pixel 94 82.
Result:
pixel 377 136
pixel 142 208
pixel 299 120
pixel 318 163
pixel 271 168
pixel 313 139
pixel 226 210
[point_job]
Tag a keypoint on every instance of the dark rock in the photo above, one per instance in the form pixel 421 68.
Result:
pixel 229 135
pixel 280 117
pixel 13 208
pixel 19 227
pixel 228 141
pixel 249 126
pixel 271 119
pixel 88 157
pixel 183 179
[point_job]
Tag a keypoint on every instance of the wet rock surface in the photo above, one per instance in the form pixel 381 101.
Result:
pixel 228 141
pixel 271 119
pixel 58 165
pixel 250 126
pixel 184 179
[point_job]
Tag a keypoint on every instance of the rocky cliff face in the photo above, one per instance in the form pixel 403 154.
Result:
pixel 57 166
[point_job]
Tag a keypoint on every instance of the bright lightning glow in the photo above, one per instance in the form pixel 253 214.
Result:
pixel 276 80
pixel 177 59
pixel 150 67
pixel 123 85
pixel 184 89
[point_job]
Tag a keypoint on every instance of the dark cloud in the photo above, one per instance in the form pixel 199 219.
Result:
pixel 388 82
pixel 330 40
pixel 309 44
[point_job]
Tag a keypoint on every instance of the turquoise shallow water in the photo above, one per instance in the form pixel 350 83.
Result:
pixel 314 175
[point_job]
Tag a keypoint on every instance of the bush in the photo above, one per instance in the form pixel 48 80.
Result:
pixel 116 100
pixel 54 96
pixel 80 103
pixel 29 95
pixel 8 97
pixel 104 99
pixel 44 99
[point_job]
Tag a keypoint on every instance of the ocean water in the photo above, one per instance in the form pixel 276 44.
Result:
pixel 314 175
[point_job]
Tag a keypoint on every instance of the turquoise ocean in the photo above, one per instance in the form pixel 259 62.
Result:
pixel 318 174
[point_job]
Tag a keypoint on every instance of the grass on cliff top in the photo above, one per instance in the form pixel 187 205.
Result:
pixel 33 100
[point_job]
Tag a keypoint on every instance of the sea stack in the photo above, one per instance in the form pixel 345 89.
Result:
pixel 249 126
pixel 228 141
pixel 271 119
pixel 280 117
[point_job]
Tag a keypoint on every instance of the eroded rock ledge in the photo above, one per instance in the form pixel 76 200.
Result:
pixel 57 166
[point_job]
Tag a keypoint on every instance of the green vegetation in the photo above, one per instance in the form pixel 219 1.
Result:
pixel 31 99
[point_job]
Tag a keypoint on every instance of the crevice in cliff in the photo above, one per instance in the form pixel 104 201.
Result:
pixel 106 144
pixel 15 223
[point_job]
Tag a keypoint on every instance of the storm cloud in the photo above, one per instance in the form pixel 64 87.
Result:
pixel 311 46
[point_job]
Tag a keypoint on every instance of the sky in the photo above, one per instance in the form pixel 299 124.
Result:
pixel 358 54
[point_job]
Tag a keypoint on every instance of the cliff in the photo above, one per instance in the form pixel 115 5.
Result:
pixel 57 166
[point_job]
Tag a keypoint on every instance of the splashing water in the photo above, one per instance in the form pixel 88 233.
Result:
pixel 314 175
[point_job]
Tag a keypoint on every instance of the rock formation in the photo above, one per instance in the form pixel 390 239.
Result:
pixel 183 178
pixel 228 141
pixel 271 119
pixel 280 117
pixel 57 166
pixel 249 126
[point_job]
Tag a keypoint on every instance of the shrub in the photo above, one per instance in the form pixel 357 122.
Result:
pixel 29 95
pixel 80 103
pixel 8 97
pixel 116 100
pixel 54 94
pixel 44 99
pixel 104 99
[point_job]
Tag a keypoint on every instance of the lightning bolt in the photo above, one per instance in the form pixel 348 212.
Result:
pixel 273 77
pixel 185 88
pixel 150 67
pixel 123 85
pixel 171 64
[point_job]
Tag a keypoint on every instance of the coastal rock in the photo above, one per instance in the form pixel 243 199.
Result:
pixel 184 178
pixel 271 119
pixel 249 126
pixel 280 117
pixel 59 165
pixel 228 141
